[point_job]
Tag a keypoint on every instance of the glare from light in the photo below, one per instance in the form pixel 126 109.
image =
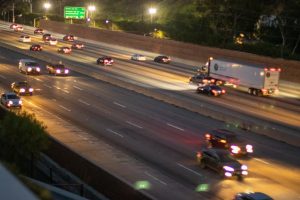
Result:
pixel 91 8
pixel 152 11
pixel 47 5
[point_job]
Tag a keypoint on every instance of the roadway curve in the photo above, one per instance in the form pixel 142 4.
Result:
pixel 162 137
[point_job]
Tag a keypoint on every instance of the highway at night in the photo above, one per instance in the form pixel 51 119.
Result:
pixel 159 141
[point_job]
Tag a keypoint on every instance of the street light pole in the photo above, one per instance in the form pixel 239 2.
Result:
pixel 91 9
pixel 13 12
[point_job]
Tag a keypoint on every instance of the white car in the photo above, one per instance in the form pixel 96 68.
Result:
pixel 10 99
pixel 51 41
pixel 25 38
pixel 138 57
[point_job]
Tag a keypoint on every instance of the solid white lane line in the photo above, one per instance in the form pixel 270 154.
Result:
pixel 47 86
pixel 189 169
pixel 118 104
pixel 65 108
pixel 66 91
pixel 56 87
pixel 81 101
pixel 2 76
pixel 78 88
pixel 175 127
pixel 133 124
pixel 260 160
pixel 118 134
pixel 157 179
pixel 38 79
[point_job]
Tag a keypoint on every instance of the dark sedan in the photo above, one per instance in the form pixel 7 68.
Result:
pixel 70 38
pixel 65 50
pixel 162 59
pixel 221 161
pixel 211 90
pixel 35 47
pixel 22 88
pixel 252 196
pixel 57 69
pixel 225 139
pixel 77 46
pixel 38 31
pixel 201 79
pixel 105 60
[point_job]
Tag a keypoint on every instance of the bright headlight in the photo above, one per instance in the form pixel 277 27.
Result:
pixel 244 167
pixel 22 90
pixel 38 69
pixel 20 102
pixel 30 89
pixel 227 168
pixel 58 71
pixel 10 102
pixel 29 69
pixel 66 71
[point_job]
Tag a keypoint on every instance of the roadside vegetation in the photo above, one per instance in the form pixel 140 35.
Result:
pixel 265 27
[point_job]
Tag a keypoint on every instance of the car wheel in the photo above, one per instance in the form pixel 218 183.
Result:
pixel 250 91
pixel 202 165
pixel 255 93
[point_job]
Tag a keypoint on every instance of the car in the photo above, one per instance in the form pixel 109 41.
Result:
pixel 13 26
pixel 221 161
pixel 211 90
pixel 70 38
pixel 39 31
pixel 162 59
pixel 77 46
pixel 35 47
pixel 24 38
pixel 47 36
pixel 51 41
pixel 29 66
pixel 11 100
pixel 105 60
pixel 18 28
pixel 201 79
pixel 22 88
pixel 57 69
pixel 138 57
pixel 226 139
pixel 252 196
pixel 65 50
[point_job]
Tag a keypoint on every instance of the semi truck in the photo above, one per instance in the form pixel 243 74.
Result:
pixel 260 80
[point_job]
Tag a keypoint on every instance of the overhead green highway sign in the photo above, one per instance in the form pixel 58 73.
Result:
pixel 74 12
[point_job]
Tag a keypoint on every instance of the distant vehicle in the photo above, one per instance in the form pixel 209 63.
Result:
pixel 35 47
pixel 13 26
pixel 24 38
pixel 252 196
pixel 18 28
pixel 222 138
pixel 69 38
pixel 211 90
pixel 11 100
pixel 22 88
pixel 105 60
pixel 221 161
pixel 77 46
pixel 47 36
pixel 162 59
pixel 138 57
pixel 39 31
pixel 57 69
pixel 260 80
pixel 51 41
pixel 202 79
pixel 65 50
pixel 29 66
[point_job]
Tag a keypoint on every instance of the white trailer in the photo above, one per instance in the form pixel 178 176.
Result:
pixel 259 79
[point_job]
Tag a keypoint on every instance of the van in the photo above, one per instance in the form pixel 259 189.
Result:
pixel 28 66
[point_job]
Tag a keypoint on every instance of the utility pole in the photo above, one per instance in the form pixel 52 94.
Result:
pixel 13 12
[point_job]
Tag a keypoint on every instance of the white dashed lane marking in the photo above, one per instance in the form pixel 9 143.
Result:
pixel 118 104
pixel 184 167
pixel 133 124
pixel 2 76
pixel 48 86
pixel 157 179
pixel 114 132
pixel 78 88
pixel 260 160
pixel 85 103
pixel 38 79
pixel 65 108
pixel 175 127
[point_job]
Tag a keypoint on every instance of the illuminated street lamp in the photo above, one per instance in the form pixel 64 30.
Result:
pixel 152 11
pixel 91 9
pixel 47 6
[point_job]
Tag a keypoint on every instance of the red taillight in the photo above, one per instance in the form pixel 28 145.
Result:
pixel 105 60
pixel 212 80
pixel 207 136
pixel 279 69
pixel 223 91
pixel 272 69
pixel 214 91
pixel 199 155
pixel 264 90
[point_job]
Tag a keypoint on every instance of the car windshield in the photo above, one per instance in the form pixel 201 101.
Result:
pixel 12 96
pixel 23 83
pixel 59 66
pixel 233 138
pixel 213 87
pixel 33 64
pixel 225 157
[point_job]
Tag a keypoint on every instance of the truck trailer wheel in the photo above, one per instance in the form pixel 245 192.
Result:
pixel 250 91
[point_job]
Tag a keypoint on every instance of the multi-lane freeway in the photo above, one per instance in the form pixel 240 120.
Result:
pixel 162 139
